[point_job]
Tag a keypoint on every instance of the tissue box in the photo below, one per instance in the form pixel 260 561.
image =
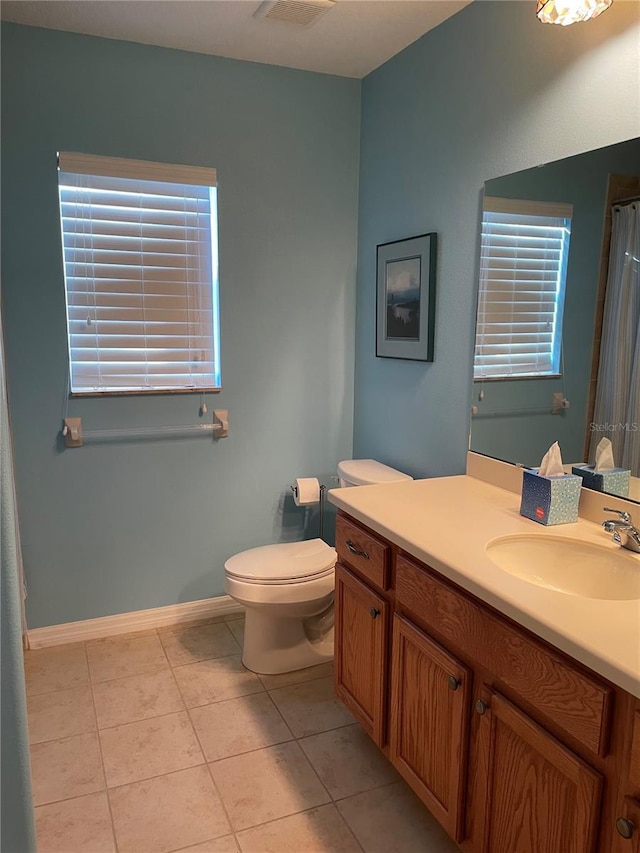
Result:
pixel 615 482
pixel 550 500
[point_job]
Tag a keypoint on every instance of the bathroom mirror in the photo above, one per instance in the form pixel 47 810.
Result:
pixel 512 418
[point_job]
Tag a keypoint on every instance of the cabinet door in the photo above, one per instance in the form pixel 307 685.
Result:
pixel 361 640
pixel 533 795
pixel 429 717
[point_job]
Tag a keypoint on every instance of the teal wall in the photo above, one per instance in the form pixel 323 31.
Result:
pixel 119 527
pixel 489 92
pixel 112 528
pixel 582 181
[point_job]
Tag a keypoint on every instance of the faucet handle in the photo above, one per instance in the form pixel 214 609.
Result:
pixel 624 516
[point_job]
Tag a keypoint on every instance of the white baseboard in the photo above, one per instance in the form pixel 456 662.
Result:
pixel 124 623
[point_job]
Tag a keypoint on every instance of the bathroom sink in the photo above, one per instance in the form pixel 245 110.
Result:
pixel 569 566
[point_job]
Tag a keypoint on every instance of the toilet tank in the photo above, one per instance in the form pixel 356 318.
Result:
pixel 366 472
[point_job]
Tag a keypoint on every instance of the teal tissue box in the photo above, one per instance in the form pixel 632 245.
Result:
pixel 550 500
pixel 614 482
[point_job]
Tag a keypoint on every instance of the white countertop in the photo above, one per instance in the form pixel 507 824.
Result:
pixel 447 522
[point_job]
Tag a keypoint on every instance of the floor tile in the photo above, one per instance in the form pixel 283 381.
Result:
pixel 393 820
pixel 215 680
pixel 285 679
pixel 61 714
pixel 267 784
pixel 320 830
pixel 228 844
pixel 236 626
pixel 147 748
pixel 117 657
pixel 168 812
pixel 347 761
pixel 55 668
pixel 61 769
pixel 75 826
pixel 239 725
pixel 311 707
pixel 202 642
pixel 136 697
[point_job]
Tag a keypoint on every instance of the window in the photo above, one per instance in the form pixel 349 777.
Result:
pixel 523 269
pixel 141 275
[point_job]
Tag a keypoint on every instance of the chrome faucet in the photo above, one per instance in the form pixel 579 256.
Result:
pixel 624 533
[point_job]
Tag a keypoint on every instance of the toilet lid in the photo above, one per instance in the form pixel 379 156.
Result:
pixel 363 472
pixel 288 561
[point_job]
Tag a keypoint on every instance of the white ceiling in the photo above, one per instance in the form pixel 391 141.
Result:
pixel 352 39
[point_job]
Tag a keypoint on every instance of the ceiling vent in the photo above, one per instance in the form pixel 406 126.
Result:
pixel 302 13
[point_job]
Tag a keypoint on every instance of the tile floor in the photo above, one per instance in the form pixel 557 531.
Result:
pixel 161 741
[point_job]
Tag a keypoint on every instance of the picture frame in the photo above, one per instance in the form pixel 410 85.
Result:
pixel 405 298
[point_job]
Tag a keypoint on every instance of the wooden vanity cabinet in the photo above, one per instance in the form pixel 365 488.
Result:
pixel 533 795
pixel 512 745
pixel 362 625
pixel 361 649
pixel 627 817
pixel 428 728
pixel 634 754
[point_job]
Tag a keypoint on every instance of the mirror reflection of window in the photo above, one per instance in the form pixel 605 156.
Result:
pixel 523 270
pixel 518 419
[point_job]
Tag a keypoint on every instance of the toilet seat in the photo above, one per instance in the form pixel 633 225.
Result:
pixel 283 563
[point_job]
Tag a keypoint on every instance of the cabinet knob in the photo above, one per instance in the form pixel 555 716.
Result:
pixel 453 682
pixel 481 706
pixel 374 612
pixel 356 551
pixel 625 827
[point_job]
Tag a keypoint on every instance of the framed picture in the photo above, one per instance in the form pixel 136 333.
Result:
pixel 406 285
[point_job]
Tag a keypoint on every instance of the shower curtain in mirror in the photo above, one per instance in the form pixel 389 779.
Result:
pixel 618 390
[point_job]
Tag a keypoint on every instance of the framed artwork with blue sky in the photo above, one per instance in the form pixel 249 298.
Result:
pixel 406 283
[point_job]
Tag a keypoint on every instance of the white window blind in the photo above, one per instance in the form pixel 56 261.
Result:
pixel 141 274
pixel 523 264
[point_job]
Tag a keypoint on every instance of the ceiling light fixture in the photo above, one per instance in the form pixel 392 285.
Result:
pixel 565 12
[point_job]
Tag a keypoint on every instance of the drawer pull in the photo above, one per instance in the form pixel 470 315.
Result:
pixel 356 551
pixel 481 707
pixel 453 682
pixel 625 827
pixel 374 612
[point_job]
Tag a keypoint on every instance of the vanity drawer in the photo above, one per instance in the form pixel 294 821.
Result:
pixel 546 680
pixel 364 552
pixel 634 761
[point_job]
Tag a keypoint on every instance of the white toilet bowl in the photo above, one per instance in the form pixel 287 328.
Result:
pixel 287 590
pixel 283 587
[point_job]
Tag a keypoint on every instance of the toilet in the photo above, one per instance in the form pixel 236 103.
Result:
pixel 287 590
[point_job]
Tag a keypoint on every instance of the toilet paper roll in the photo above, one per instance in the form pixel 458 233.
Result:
pixel 306 491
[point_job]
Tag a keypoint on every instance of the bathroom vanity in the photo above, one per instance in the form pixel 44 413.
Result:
pixel 511 709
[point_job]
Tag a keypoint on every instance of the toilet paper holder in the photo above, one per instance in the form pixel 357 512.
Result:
pixel 323 489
